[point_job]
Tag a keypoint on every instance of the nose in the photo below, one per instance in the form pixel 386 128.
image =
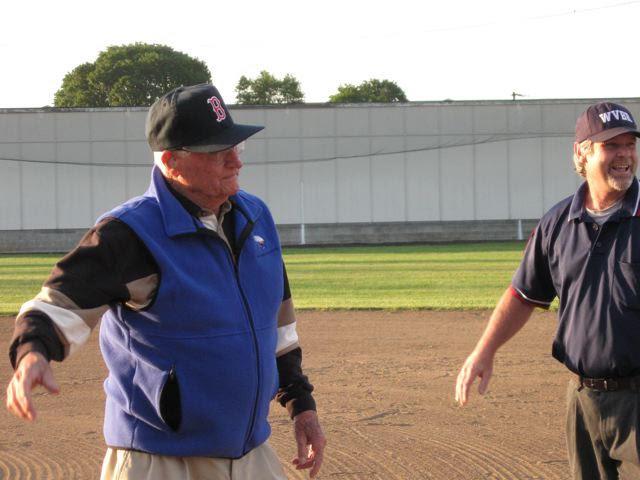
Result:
pixel 233 159
pixel 235 156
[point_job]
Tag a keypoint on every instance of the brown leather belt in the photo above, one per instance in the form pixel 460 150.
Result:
pixel 610 384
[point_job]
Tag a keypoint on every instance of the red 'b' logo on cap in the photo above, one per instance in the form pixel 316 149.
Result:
pixel 218 109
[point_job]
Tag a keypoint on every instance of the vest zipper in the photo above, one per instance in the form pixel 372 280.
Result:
pixel 257 351
pixel 245 233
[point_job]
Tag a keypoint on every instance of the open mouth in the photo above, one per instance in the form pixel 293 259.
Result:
pixel 622 168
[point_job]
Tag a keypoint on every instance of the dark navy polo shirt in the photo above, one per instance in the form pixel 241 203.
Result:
pixel 595 273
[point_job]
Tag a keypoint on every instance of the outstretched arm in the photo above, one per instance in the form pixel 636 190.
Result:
pixel 110 264
pixel 509 316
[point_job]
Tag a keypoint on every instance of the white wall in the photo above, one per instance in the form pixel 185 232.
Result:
pixel 484 160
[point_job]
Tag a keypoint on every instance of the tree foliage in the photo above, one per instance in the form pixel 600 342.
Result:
pixel 129 75
pixel 268 90
pixel 370 91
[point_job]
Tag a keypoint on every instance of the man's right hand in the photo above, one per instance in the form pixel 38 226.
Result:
pixel 33 370
pixel 509 316
pixel 476 365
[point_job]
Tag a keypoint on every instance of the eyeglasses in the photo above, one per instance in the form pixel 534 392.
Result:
pixel 238 149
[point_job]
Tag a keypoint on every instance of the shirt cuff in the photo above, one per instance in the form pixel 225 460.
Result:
pixel 21 350
pixel 301 404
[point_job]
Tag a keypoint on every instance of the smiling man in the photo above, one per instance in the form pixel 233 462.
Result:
pixel 197 327
pixel 586 252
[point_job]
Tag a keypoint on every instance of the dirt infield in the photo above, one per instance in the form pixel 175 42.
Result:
pixel 384 387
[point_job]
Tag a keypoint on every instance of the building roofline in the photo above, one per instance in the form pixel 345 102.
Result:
pixel 446 102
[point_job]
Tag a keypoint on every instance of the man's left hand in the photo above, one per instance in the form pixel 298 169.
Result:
pixel 310 440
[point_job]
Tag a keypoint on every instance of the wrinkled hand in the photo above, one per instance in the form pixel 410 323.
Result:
pixel 310 440
pixel 476 365
pixel 33 370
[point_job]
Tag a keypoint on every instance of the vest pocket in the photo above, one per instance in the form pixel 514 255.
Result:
pixel 154 394
pixel 170 407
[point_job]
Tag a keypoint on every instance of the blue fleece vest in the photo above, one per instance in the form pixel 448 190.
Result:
pixel 212 325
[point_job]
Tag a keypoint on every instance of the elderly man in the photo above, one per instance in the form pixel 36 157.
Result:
pixel 198 327
pixel 586 251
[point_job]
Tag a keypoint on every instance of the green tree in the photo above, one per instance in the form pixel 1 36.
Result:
pixel 371 91
pixel 129 75
pixel 268 90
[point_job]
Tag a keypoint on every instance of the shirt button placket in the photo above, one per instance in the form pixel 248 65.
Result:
pixel 597 243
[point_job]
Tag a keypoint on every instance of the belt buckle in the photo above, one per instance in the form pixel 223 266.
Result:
pixel 610 384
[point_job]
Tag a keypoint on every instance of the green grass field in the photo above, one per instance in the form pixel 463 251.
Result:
pixel 20 279
pixel 447 277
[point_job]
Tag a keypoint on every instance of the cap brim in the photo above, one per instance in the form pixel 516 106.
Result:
pixel 612 132
pixel 226 139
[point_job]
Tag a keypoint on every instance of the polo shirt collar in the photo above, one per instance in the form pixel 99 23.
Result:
pixel 629 207
pixel 630 201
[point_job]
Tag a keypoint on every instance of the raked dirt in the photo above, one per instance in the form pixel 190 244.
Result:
pixel 385 392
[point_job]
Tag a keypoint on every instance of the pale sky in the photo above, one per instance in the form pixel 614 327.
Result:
pixel 459 50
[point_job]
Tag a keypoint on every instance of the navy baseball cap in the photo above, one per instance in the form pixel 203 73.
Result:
pixel 604 121
pixel 194 118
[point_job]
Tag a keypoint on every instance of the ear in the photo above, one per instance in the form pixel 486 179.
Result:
pixel 576 150
pixel 169 161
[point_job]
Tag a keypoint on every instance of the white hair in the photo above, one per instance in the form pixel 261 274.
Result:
pixel 157 157
pixel 586 148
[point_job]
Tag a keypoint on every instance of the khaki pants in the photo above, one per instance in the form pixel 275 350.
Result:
pixel 602 433
pixel 261 463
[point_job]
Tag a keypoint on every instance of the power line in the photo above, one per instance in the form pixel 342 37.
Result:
pixel 520 19
pixel 442 146
pixel 584 10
